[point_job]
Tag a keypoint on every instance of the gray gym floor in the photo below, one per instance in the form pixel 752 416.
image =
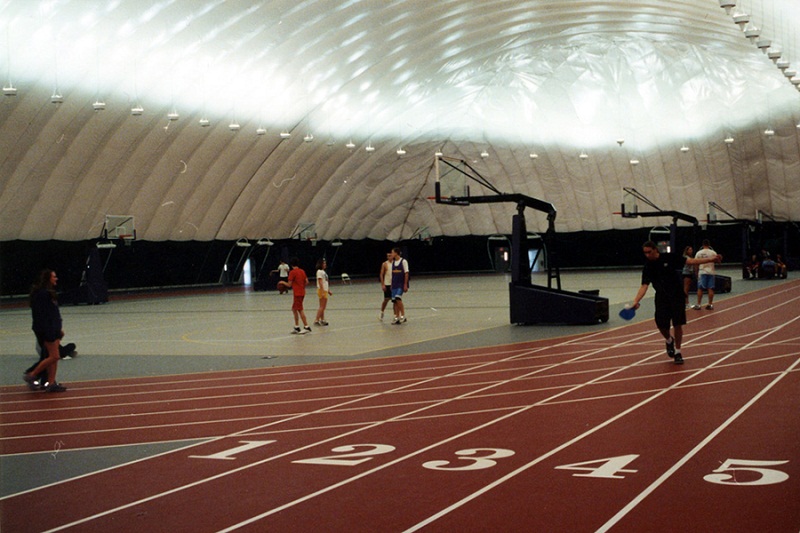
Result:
pixel 172 333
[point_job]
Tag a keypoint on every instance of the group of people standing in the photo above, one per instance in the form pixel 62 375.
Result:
pixel 393 276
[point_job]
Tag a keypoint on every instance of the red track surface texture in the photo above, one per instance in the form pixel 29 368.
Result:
pixel 593 432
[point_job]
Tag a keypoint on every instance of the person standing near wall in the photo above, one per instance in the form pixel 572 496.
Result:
pixel 47 326
pixel 707 275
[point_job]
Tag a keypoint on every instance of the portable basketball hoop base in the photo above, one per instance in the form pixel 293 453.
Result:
pixel 529 303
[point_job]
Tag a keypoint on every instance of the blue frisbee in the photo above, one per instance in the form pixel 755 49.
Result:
pixel 627 313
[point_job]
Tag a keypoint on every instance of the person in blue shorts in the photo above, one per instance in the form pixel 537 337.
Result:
pixel 707 275
pixel 399 268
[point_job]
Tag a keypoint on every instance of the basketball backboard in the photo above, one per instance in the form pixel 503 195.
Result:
pixel 119 227
pixel 451 181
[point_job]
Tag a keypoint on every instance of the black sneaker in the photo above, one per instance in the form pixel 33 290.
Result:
pixel 678 358
pixel 296 330
pixel 671 347
pixel 33 383
pixel 56 387
pixel 307 329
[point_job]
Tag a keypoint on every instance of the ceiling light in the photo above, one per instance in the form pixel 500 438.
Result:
pixel 105 245
pixel 264 242
pixel 620 141
pixel 534 155
pixel 98 105
pixel 204 122
pixel 370 148
pixel 782 64
pixel 763 44
pixel 751 32
pixel 285 135
pixel 234 126
pixel 9 90
pixel 769 132
pixel 350 145
pixel 261 131
pixel 790 73
pixel 484 154
pixel 684 148
pixel 57 98
pixel 243 243
pixel 728 140
pixel 727 5
pixel 438 153
pixel 634 162
pixel 137 110
pixel 584 155
pixel 774 55
pixel 308 138
pixel 741 19
pixel 173 115
pixel 336 243
pixel 400 151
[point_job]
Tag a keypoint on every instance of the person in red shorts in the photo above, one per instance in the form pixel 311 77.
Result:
pixel 297 281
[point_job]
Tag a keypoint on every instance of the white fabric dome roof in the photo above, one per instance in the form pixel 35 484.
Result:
pixel 533 84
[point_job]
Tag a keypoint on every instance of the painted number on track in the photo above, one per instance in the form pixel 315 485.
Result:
pixel 608 468
pixel 726 473
pixel 475 461
pixel 349 456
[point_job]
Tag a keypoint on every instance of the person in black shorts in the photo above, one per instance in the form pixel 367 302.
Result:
pixel 663 271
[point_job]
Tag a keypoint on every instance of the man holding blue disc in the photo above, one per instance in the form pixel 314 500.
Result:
pixel 663 271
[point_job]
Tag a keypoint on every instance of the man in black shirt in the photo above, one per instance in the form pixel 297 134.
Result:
pixel 663 271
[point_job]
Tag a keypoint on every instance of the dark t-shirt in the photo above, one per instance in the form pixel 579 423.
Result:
pixel 664 274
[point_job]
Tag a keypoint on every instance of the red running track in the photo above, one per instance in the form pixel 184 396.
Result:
pixel 592 432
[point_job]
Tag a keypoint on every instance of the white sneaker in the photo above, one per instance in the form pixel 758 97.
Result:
pixel 381 317
pixel 296 331
pixel 403 319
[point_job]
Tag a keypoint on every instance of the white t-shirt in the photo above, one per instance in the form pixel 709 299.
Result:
pixel 322 280
pixel 387 273
pixel 283 270
pixel 706 268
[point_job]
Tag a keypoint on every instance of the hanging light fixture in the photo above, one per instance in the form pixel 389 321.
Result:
pixel 350 145
pixel 369 148
pixel 727 5
pixel 204 122
pixel 401 152
pixel 729 139
pixel 308 138
pixel 234 126
pixel 684 148
pixel 285 135
pixel 261 130
pixel 584 156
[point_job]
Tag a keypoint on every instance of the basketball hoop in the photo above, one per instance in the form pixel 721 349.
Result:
pixel 127 239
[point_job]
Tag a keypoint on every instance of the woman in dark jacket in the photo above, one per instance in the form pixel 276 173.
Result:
pixel 47 328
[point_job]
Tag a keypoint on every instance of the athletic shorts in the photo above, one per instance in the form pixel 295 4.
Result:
pixel 323 295
pixel 705 282
pixel 387 292
pixel 670 311
pixel 397 294
pixel 297 303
